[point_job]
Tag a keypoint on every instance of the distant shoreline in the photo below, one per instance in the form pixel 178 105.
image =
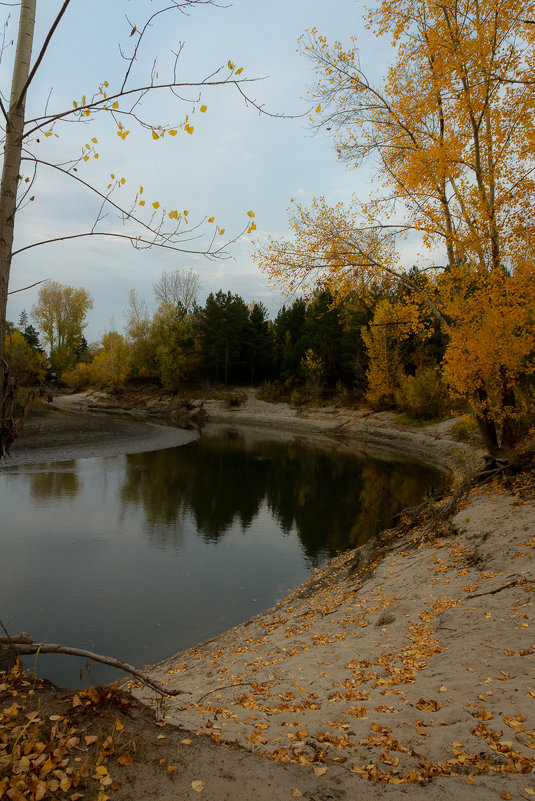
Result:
pixel 87 425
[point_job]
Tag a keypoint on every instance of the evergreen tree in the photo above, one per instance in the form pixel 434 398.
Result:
pixel 224 324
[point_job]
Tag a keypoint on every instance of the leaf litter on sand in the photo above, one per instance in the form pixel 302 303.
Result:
pixel 399 632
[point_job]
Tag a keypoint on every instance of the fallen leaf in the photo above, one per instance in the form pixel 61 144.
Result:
pixel 429 706
pixel 198 786
pixel 297 793
pixel 320 771
pixel 171 768
pixel 187 741
pixel 506 795
pixel 125 759
pixel 90 739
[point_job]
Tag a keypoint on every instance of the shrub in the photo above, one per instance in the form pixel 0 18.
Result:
pixel 423 395
pixel 80 377
pixel 233 399
pixel 464 429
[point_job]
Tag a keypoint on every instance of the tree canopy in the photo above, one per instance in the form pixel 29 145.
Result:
pixel 449 132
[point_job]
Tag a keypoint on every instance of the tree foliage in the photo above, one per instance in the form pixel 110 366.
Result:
pixel 60 313
pixel 450 133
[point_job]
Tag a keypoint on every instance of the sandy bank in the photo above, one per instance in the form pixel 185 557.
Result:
pixel 65 433
pixel 412 668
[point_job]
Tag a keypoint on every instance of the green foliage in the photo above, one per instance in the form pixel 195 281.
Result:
pixel 465 428
pixel 423 395
pixel 233 399
pixel 224 327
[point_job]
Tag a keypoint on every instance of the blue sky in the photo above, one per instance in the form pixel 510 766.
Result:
pixel 235 161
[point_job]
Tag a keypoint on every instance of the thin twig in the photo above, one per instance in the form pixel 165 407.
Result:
pixel 24 288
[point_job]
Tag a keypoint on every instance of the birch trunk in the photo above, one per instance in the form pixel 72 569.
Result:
pixel 10 178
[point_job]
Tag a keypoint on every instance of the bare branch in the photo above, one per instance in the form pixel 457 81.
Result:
pixel 23 644
pixel 137 242
pixel 24 288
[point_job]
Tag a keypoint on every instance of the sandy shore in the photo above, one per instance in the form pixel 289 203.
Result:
pixel 65 432
pixel 404 672
pixel 411 668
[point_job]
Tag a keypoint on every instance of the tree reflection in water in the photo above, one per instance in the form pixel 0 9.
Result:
pixel 61 482
pixel 331 496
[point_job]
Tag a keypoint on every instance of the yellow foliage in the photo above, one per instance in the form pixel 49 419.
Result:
pixel 451 130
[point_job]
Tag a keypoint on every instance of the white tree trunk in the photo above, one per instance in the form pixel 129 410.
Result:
pixel 11 163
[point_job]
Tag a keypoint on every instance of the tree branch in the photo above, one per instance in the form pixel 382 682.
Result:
pixel 24 288
pixel 23 645
pixel 136 241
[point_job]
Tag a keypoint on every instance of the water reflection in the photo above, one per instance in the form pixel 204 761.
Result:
pixel 64 483
pixel 332 498
pixel 140 556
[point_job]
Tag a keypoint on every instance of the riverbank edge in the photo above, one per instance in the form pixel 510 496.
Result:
pixel 378 432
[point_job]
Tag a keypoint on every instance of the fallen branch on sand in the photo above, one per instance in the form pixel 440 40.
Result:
pixel 22 644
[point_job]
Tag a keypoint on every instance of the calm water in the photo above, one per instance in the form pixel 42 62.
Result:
pixel 140 556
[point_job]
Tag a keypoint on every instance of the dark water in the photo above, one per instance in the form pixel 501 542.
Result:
pixel 140 556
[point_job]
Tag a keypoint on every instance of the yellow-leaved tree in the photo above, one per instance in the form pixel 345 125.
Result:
pixel 451 132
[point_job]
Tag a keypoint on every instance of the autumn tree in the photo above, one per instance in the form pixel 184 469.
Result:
pixel 110 365
pixel 30 118
pixel 60 313
pixel 450 131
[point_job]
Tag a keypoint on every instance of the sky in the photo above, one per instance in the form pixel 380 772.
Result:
pixel 236 160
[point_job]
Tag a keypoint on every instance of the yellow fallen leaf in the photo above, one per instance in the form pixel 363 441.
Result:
pixel 171 768
pixel 297 793
pixel 187 741
pixel 198 786
pixel 118 725
pixel 320 771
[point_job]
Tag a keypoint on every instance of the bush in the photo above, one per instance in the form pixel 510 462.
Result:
pixel 233 399
pixel 423 395
pixel 464 429
pixel 80 377
pixel 271 392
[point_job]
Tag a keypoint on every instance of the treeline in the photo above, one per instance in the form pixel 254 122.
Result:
pixel 356 349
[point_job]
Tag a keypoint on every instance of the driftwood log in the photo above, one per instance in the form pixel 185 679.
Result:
pixel 22 644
